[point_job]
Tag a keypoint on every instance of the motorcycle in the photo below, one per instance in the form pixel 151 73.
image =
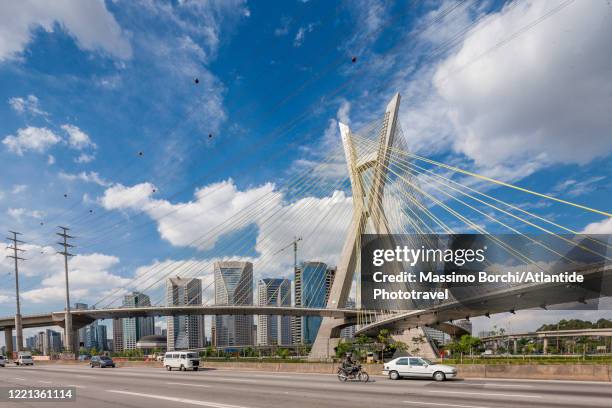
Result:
pixel 354 373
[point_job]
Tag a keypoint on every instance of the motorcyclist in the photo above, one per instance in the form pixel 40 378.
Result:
pixel 348 364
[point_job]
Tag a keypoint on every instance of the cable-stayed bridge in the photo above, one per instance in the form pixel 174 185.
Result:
pixel 370 184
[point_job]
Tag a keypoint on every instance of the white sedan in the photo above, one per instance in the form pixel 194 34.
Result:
pixel 419 368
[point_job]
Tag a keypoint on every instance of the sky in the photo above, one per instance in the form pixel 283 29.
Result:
pixel 141 124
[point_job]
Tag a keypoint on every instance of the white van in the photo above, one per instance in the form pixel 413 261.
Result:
pixel 24 358
pixel 183 360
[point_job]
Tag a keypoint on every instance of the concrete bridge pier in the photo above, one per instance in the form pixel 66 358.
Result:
pixel 8 341
pixel 418 342
pixel 328 338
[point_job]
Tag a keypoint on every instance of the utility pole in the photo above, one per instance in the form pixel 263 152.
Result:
pixel 17 258
pixel 67 317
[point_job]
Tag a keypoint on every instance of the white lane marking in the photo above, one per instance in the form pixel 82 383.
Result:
pixel 20 379
pixel 46 382
pixel 189 385
pixel 85 376
pixel 509 385
pixel 440 404
pixel 485 385
pixel 523 380
pixel 232 379
pixel 485 393
pixel 180 400
pixel 77 386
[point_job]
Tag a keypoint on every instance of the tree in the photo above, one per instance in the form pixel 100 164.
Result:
pixel 282 353
pixel 362 339
pixel 343 348
pixel 529 348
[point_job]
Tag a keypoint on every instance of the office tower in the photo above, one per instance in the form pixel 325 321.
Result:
pixel 273 329
pixel 349 332
pixel 117 335
pixel 136 327
pixel 29 343
pixel 184 332
pixel 313 282
pixel 101 337
pixel 90 335
pixel 48 342
pixel 233 286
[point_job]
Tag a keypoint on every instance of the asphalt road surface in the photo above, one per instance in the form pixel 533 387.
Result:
pixel 155 387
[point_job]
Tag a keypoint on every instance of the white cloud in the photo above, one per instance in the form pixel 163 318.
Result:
pixel 301 34
pixel 19 188
pixel 543 97
pixel 575 188
pixel 77 139
pixel 86 272
pixel 28 105
pixel 600 227
pixel 19 213
pixel 283 29
pixel 93 27
pixel 31 138
pixel 85 158
pixel 120 197
pixel 88 177
pixel 50 160
pixel 197 223
pixel 181 223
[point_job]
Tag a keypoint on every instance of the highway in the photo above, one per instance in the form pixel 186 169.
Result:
pixel 157 388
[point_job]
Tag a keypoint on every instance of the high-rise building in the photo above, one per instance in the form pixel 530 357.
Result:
pixel 117 335
pixel 136 327
pixel 184 332
pixel 91 335
pixel 100 338
pixel 273 329
pixel 52 342
pixel 349 332
pixel 233 286
pixel 313 282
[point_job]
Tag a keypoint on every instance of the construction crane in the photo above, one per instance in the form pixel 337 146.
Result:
pixel 294 243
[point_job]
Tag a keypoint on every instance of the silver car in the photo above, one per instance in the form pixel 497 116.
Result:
pixel 418 367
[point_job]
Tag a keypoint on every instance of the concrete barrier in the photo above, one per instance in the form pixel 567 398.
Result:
pixel 581 372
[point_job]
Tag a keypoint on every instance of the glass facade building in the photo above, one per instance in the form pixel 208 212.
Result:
pixel 136 327
pixel 233 286
pixel 273 329
pixel 313 282
pixel 184 332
